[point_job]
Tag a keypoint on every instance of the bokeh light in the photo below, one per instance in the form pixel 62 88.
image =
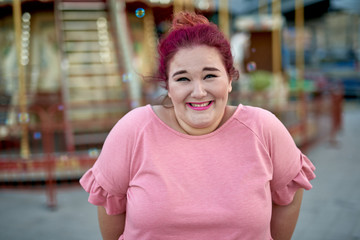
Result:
pixel 251 66
pixel 37 135
pixel 93 152
pixel 140 12
pixel 23 118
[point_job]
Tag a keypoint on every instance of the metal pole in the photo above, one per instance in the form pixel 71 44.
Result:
pixel 263 7
pixel 69 133
pixel 299 46
pixel 275 35
pixel 224 17
pixel 189 6
pixel 178 6
pixel 24 115
pixel 149 43
pixel 299 31
pixel 118 12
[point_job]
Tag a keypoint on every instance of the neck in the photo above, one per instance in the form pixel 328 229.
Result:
pixel 197 131
pixel 185 128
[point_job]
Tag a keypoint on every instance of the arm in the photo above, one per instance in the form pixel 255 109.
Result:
pixel 111 226
pixel 284 218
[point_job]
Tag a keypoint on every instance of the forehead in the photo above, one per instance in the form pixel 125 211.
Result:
pixel 196 57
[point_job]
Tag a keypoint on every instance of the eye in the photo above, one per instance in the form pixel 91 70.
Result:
pixel 210 76
pixel 182 79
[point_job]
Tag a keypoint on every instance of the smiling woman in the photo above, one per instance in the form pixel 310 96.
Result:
pixel 198 88
pixel 200 169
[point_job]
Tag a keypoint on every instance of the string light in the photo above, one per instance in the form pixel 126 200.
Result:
pixel 25 38
pixel 103 39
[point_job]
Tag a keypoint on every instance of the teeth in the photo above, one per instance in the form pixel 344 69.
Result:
pixel 200 105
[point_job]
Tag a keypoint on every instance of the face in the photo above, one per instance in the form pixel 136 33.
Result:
pixel 198 87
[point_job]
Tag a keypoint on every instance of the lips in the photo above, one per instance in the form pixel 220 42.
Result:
pixel 200 106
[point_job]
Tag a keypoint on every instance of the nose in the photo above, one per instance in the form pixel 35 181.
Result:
pixel 198 90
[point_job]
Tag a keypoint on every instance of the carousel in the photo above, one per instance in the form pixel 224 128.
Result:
pixel 71 69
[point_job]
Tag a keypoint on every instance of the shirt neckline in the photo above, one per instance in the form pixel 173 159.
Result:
pixel 215 132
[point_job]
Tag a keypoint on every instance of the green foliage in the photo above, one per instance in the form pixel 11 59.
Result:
pixel 305 85
pixel 260 80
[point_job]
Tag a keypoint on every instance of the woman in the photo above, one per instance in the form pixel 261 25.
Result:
pixel 200 169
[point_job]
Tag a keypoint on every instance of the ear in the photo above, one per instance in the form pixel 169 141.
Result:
pixel 230 86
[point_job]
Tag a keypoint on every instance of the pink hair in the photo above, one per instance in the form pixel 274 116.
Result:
pixel 189 29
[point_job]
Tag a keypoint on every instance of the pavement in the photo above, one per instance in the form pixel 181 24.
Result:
pixel 330 211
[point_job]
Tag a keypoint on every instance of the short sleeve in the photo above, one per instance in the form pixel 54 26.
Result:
pixel 285 195
pixel 113 204
pixel 291 168
pixel 108 180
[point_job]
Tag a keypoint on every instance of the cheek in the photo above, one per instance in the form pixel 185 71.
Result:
pixel 174 93
pixel 222 91
pixel 177 92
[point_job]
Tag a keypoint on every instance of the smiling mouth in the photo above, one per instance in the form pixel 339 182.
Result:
pixel 200 106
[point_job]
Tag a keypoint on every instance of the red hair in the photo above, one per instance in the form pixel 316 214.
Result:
pixel 190 29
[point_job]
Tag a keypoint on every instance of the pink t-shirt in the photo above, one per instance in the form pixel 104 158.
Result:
pixel 175 186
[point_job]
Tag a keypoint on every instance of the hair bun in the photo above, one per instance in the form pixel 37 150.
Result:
pixel 187 19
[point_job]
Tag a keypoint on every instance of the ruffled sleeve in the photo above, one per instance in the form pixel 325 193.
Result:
pixel 99 196
pixel 285 195
pixel 107 181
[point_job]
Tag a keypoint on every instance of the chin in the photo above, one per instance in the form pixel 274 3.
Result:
pixel 201 124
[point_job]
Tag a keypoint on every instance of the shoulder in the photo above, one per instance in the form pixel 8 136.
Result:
pixel 134 119
pixel 261 122
pixel 138 113
pixel 127 130
pixel 269 130
pixel 254 116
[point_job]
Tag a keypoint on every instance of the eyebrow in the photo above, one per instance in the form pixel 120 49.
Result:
pixel 204 69
pixel 210 69
pixel 179 72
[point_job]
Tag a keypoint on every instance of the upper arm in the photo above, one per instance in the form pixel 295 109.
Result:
pixel 284 217
pixel 111 226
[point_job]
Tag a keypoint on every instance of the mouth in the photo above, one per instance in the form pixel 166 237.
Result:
pixel 200 106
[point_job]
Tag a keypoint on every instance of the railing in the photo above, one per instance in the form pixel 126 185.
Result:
pixel 50 164
pixel 309 118
pixel 321 121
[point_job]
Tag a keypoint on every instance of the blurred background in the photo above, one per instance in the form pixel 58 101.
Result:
pixel 70 69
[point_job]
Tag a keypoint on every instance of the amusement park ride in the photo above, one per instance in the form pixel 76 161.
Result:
pixel 52 137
